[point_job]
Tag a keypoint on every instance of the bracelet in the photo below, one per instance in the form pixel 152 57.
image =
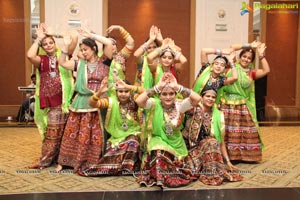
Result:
pixel 180 88
pixel 37 41
pixel 150 92
pixel 177 55
pixel 218 52
pixel 246 46
pixel 227 159
pixel 65 53
pixel 261 57
pixel 157 91
pixel 93 36
pixel 135 89
pixel 186 92
pixel 58 35
pixel 95 97
pixel 231 64
pixel 144 46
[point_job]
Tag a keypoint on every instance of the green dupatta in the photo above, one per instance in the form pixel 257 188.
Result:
pixel 158 140
pixel 217 124
pixel 81 100
pixel 67 81
pixel 201 81
pixel 147 77
pixel 236 94
pixel 113 123
pixel 114 66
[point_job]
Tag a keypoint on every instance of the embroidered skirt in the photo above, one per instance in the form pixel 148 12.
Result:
pixel 82 142
pixel 206 163
pixel 162 169
pixel 53 135
pixel 241 136
pixel 123 159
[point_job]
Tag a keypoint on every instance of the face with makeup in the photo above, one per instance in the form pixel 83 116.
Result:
pixel 123 95
pixel 167 96
pixel 209 98
pixel 48 44
pixel 218 66
pixel 246 59
pixel 151 47
pixel 167 59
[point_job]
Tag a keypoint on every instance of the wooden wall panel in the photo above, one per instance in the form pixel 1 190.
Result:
pixel 137 16
pixel 12 35
pixel 281 41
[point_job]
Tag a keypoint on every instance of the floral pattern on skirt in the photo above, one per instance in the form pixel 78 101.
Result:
pixel 241 135
pixel 206 163
pixel 163 169
pixel 51 142
pixel 123 159
pixel 82 141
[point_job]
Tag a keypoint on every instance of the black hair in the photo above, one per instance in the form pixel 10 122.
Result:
pixel 113 40
pixel 90 43
pixel 155 41
pixel 32 76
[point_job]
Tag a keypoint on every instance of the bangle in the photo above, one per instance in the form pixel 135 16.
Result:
pixel 150 92
pixel 186 92
pixel 218 52
pixel 180 88
pixel 95 97
pixel 177 55
pixel 57 35
pixel 65 53
pixel 144 46
pixel 37 41
pixel 231 64
pixel 246 46
pixel 156 89
pixel 135 89
pixel 261 57
pixel 227 159
pixel 93 36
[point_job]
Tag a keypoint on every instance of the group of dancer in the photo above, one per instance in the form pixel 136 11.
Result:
pixel 160 132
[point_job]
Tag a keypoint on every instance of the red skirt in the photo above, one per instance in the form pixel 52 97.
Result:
pixel 82 142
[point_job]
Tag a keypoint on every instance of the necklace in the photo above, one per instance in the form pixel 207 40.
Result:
pixel 92 65
pixel 167 118
pixel 206 121
pixel 52 66
pixel 212 80
pixel 124 112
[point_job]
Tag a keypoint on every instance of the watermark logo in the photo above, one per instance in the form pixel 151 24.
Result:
pixel 290 8
pixel 245 8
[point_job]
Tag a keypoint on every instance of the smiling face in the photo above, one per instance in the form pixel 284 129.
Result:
pixel 123 95
pixel 209 98
pixel 167 97
pixel 48 44
pixel 246 58
pixel 167 59
pixel 218 66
